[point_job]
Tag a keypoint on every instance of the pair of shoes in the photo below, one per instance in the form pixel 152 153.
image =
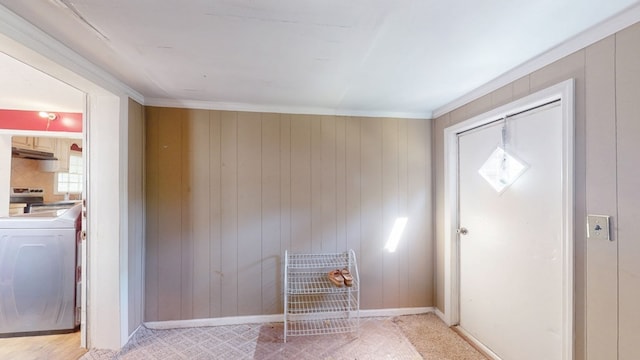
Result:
pixel 348 279
pixel 335 276
pixel 339 277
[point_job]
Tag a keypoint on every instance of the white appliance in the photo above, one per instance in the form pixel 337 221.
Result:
pixel 53 206
pixel 21 199
pixel 38 275
pixel 25 200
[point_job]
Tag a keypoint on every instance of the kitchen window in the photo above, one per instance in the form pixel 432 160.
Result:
pixel 71 182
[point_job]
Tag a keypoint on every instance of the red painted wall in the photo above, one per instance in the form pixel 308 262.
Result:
pixel 31 120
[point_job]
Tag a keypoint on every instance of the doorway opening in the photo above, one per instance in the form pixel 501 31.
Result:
pixel 42 122
pixel 103 297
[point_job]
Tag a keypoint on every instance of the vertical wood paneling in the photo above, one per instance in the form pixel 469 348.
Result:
pixel 421 269
pixel 186 226
pixel 580 206
pixel 340 209
pixel 479 106
pixel 285 184
pixel 316 185
pixel 169 215
pixel 573 66
pixel 135 143
pixel 404 251
pixel 390 209
pixel 151 214
pixel 628 133
pixel 502 96
pixel 249 217
pixel 602 256
pixel 300 184
pixel 252 185
pixel 215 214
pixel 327 176
pixel 353 181
pixel 458 115
pixel 437 143
pixel 371 272
pixel 521 87
pixel 197 136
pixel 271 285
pixel 285 199
pixel 229 223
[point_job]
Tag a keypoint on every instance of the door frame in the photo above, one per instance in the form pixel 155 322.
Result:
pixel 106 286
pixel 564 92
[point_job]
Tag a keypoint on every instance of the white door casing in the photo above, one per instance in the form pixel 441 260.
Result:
pixel 564 93
pixel 106 319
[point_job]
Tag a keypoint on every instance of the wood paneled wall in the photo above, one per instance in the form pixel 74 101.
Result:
pixel 627 160
pixel 607 144
pixel 228 192
pixel 135 186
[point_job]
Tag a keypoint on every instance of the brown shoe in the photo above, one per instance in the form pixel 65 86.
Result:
pixel 336 277
pixel 346 275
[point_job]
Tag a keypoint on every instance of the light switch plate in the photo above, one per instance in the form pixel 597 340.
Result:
pixel 598 227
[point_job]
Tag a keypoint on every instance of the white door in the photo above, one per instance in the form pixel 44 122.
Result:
pixel 511 257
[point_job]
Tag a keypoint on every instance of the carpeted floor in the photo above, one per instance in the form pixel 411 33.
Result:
pixel 403 337
pixel 434 340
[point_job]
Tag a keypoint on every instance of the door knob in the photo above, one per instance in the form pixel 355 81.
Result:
pixel 463 231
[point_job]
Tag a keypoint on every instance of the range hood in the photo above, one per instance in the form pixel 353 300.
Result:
pixel 32 154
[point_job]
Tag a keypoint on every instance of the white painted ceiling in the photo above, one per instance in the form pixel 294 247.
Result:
pixel 375 57
pixel 25 88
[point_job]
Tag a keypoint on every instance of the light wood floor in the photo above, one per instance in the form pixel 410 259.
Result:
pixel 49 347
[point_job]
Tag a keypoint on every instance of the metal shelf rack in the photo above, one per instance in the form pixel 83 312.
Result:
pixel 313 305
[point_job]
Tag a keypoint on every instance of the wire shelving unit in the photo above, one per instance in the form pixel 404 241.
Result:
pixel 313 305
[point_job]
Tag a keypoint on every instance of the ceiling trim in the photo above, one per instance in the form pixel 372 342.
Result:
pixel 230 106
pixel 28 37
pixel 606 28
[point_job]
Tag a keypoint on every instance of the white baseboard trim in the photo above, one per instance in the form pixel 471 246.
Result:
pixel 395 312
pixel 262 319
pixel 440 314
pixel 480 346
pixel 134 332
pixel 230 320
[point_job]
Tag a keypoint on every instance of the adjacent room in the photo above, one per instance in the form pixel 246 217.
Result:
pixel 329 180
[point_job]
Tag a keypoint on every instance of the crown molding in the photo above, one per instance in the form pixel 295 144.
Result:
pixel 231 106
pixel 608 27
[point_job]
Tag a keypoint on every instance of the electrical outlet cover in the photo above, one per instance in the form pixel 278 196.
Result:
pixel 598 227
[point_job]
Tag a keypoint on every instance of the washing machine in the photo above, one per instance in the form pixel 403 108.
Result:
pixel 38 272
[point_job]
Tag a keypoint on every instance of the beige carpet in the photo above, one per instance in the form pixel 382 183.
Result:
pixel 404 337
pixel 434 340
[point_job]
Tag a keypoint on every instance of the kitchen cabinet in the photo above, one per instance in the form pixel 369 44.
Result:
pixel 61 150
pixel 22 142
pixel 34 143
pixel 45 144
